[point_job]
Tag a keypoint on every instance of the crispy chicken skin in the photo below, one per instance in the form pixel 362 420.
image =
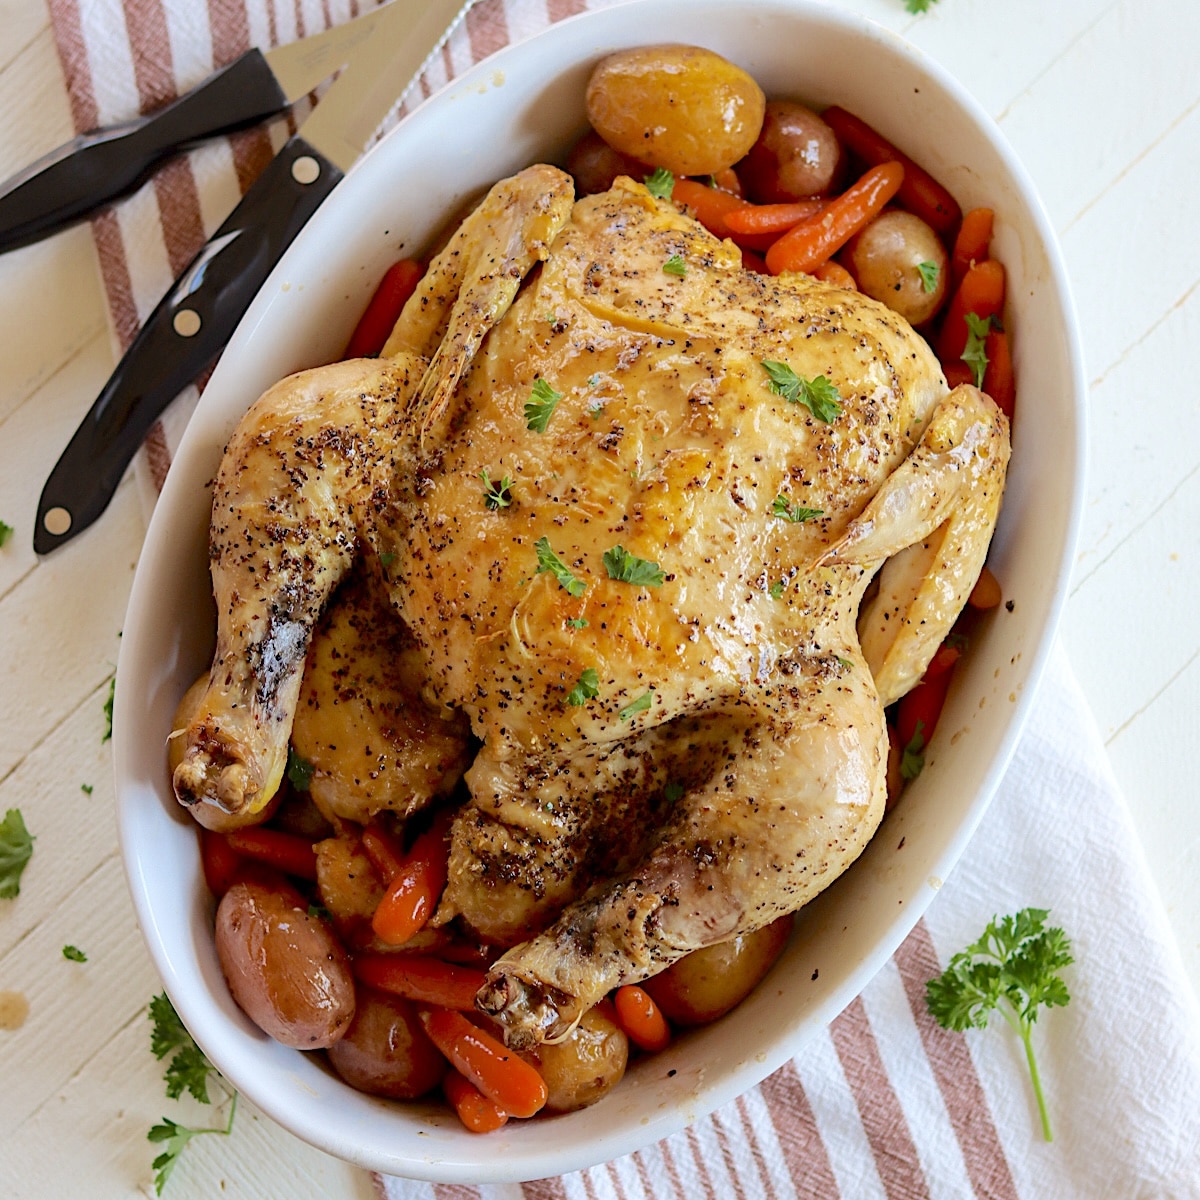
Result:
pixel 671 753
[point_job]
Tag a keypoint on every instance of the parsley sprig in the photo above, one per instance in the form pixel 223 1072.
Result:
pixel 299 770
pixel 929 273
pixel 628 568
pixel 588 688
pixel 16 849
pixel 6 531
pixel 660 183
pixel 540 406
pixel 640 705
pixel 818 394
pixel 549 561
pixel 918 6
pixel 676 265
pixel 1013 968
pixel 912 757
pixel 189 1070
pixel 496 494
pixel 974 352
pixel 783 508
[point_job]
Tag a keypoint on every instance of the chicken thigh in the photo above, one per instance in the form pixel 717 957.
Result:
pixel 628 511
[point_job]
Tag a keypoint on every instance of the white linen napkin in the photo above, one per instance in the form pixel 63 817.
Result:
pixel 884 1103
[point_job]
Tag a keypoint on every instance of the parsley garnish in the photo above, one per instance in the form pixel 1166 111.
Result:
pixel 108 708
pixel 74 954
pixel 588 688
pixel 795 513
pixel 318 910
pixel 640 705
pixel 299 771
pixel 86 788
pixel 912 760
pixel 549 561
pixel 661 183
pixel 776 589
pixel 672 792
pixel 1014 969
pixel 628 568
pixel 818 395
pixel 929 272
pixel 918 6
pixel 974 352
pixel 16 849
pixel 188 1070
pixel 6 531
pixel 540 406
pixel 675 265
pixel 496 495
pixel 577 622
pixel 387 558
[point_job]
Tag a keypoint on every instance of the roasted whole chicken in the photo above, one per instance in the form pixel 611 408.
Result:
pixel 632 556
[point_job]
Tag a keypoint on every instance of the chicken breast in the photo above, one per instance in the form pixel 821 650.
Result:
pixel 629 513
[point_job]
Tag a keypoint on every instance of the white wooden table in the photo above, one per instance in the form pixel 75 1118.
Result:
pixel 1099 97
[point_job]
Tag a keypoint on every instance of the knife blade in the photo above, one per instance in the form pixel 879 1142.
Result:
pixel 195 319
pixel 96 168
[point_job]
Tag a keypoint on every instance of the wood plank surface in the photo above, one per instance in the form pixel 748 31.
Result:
pixel 1101 100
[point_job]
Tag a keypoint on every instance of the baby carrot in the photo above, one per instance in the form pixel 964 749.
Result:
pixel 986 592
pixel 981 292
pixel 219 860
pixel 810 243
pixel 503 1077
pixel 284 851
pixel 998 379
pixel 425 980
pixel 920 193
pixel 384 850
pixel 415 889
pixel 475 1110
pixel 957 372
pixel 771 218
pixel 971 244
pixel 641 1019
pixel 397 285
pixel 835 273
pixel 923 705
pixel 710 206
pixel 728 181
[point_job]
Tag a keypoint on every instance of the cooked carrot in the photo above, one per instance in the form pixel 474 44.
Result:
pixel 981 292
pixel 943 659
pixel 425 980
pixel 710 206
pixel 810 243
pixel 475 1110
pixel 958 372
pixel 835 273
pixel 920 193
pixel 641 1019
pixel 384 850
pixel 971 244
pixel 415 889
pixel 986 592
pixel 754 262
pixel 771 218
pixel 219 860
pixel 923 705
pixel 284 851
pixel 500 1074
pixel 383 309
pixel 728 181
pixel 998 379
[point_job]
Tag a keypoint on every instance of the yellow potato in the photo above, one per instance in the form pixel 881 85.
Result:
pixel 587 1065
pixel 707 983
pixel 679 107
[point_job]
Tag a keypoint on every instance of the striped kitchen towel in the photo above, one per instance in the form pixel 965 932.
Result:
pixel 883 1103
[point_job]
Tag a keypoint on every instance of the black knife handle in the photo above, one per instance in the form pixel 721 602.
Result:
pixel 94 168
pixel 187 330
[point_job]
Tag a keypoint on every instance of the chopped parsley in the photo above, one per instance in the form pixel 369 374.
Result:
pixel 6 531
pixel 818 394
pixel 577 622
pixel 660 183
pixel 640 705
pixel 918 6
pixel 1013 968
pixel 86 788
pixel 912 758
pixel 299 771
pixel 776 589
pixel 540 406
pixel 108 708
pixel 549 561
pixel 929 272
pixel 16 849
pixel 588 688
pixel 786 511
pixel 387 558
pixel 496 495
pixel 74 954
pixel 628 568
pixel 675 265
pixel 974 352
pixel 672 792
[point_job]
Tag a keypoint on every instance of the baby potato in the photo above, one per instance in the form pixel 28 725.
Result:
pixel 706 984
pixel 594 164
pixel 284 967
pixel 587 1065
pixel 886 259
pixel 796 155
pixel 386 1051
pixel 679 107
